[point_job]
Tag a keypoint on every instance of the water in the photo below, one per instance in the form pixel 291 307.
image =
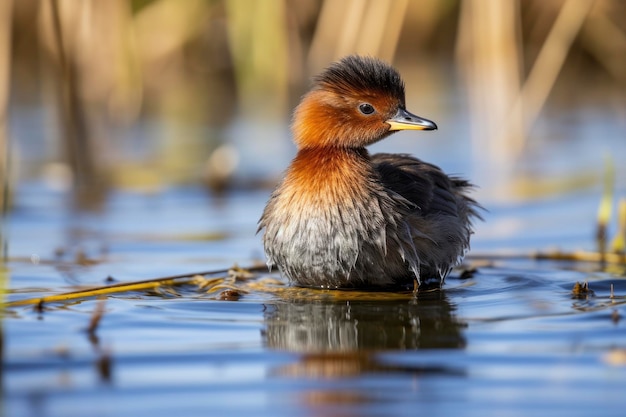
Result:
pixel 510 340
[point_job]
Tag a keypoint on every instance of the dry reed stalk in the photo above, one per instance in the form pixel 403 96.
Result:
pixel 575 256
pixel 502 107
pixel 129 286
pixel 489 50
pixel 326 40
pixel 111 73
pixel 6 8
pixel 96 317
pixel 548 63
pixel 258 39
pixel 366 27
pixel 59 21
pixel 606 41
pixel 92 55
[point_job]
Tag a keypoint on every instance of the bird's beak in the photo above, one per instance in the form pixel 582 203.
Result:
pixel 403 120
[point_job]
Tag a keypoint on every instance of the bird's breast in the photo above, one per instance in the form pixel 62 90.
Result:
pixel 321 217
pixel 325 193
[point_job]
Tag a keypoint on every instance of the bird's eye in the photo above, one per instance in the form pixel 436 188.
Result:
pixel 366 108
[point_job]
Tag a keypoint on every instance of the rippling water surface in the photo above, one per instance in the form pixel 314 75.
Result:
pixel 508 340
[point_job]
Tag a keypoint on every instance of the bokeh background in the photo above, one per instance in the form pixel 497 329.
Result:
pixel 529 95
pixel 141 138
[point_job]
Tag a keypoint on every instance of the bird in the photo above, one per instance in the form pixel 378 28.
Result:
pixel 344 219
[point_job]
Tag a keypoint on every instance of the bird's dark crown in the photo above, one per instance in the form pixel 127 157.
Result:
pixel 358 75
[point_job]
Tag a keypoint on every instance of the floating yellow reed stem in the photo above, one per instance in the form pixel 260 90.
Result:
pixel 619 241
pixel 606 205
pixel 125 287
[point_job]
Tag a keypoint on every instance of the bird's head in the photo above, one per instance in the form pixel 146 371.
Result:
pixel 354 102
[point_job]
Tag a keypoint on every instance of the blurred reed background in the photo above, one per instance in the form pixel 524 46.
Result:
pixel 145 94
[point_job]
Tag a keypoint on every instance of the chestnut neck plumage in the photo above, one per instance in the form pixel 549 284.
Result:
pixel 332 173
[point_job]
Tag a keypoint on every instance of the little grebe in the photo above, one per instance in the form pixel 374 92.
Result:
pixel 343 218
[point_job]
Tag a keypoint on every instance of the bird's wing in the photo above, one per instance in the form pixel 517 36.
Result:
pixel 424 185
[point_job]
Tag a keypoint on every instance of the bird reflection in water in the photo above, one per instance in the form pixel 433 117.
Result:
pixel 342 338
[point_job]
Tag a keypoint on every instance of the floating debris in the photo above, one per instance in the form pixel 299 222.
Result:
pixel 230 295
pixel 468 272
pixel 96 317
pixel 238 273
pixel 581 290
pixel 615 316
